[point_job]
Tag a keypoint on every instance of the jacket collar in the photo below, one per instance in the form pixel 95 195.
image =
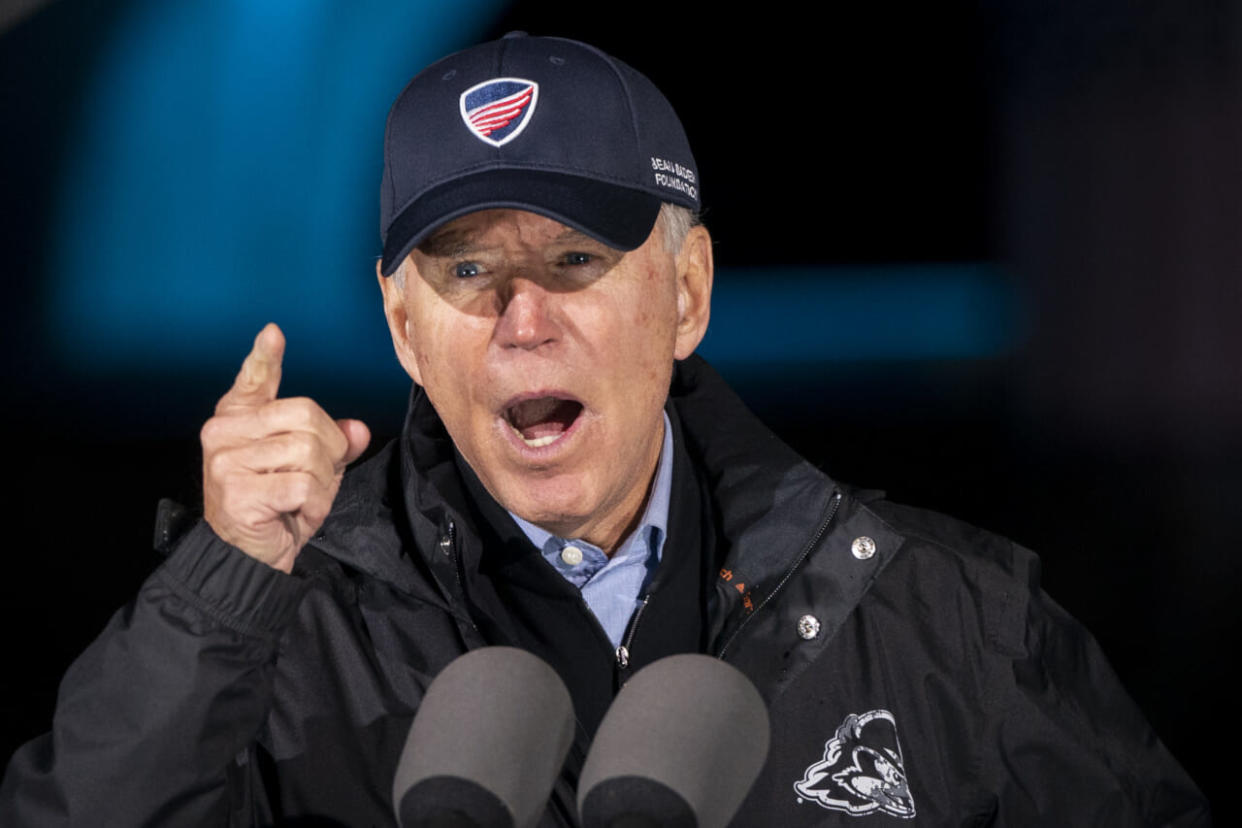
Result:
pixel 407 497
pixel 768 502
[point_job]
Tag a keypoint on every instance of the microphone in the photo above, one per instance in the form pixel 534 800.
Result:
pixel 486 745
pixel 680 747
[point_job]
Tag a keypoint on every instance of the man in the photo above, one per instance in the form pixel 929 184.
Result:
pixel 572 481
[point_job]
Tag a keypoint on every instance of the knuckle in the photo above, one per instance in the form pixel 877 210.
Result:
pixel 210 432
pixel 268 415
pixel 288 414
pixel 232 502
pixel 302 486
pixel 304 444
pixel 242 386
pixel 303 410
pixel 250 515
pixel 315 510
pixel 216 465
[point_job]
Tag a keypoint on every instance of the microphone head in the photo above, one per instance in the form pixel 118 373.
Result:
pixel 487 743
pixel 681 746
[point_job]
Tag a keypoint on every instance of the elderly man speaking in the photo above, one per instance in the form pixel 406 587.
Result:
pixel 571 481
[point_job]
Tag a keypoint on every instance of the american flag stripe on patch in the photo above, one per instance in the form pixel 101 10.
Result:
pixel 499 114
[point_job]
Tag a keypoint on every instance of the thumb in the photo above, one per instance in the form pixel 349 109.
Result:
pixel 259 378
pixel 358 435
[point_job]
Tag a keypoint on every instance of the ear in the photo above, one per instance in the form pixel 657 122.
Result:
pixel 398 315
pixel 694 290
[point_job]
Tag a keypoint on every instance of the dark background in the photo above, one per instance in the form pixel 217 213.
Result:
pixel 1083 160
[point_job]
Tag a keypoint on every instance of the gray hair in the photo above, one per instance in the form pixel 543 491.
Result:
pixel 674 220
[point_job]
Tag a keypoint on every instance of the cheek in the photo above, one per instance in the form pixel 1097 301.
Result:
pixel 420 344
pixel 656 307
pixel 651 323
pixel 431 346
pixel 648 302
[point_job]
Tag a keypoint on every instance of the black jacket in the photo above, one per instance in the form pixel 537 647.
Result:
pixel 913 668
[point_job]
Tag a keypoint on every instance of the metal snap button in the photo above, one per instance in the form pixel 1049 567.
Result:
pixel 863 547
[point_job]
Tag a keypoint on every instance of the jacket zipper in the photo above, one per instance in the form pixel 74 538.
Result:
pixel 449 542
pixel 833 506
pixel 623 650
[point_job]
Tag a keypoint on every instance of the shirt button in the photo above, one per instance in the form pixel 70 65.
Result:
pixel 808 627
pixel 571 555
pixel 863 548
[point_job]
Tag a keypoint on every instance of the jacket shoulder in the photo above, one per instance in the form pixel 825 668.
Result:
pixel 954 537
pixel 362 531
pixel 952 564
pixel 1049 714
pixel 962 546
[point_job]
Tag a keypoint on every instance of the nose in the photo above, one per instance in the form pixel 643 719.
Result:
pixel 526 319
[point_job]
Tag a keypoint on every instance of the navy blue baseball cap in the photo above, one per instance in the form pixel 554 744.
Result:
pixel 543 124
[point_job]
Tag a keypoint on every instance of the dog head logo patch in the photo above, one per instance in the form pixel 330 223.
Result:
pixel 496 111
pixel 862 769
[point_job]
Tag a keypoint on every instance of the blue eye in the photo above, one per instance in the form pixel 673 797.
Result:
pixel 466 270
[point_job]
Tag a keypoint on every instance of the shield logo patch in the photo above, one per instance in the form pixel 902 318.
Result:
pixel 496 111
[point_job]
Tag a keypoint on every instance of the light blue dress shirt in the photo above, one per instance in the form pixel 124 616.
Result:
pixel 612 587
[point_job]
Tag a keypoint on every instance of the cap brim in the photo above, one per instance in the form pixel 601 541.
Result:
pixel 620 217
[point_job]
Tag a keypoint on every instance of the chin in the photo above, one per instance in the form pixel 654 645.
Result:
pixel 573 502
pixel 546 509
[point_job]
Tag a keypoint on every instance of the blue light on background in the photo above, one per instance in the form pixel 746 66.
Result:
pixel 852 314
pixel 225 174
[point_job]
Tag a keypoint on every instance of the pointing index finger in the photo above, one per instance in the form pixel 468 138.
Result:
pixel 259 378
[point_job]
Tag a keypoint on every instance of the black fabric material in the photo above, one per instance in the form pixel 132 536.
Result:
pixel 228 693
pixel 636 802
pixel 425 805
pixel 600 149
pixel 619 217
pixel 673 621
pixel 520 600
pixel 524 602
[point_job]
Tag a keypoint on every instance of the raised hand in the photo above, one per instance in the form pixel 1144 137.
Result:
pixel 272 467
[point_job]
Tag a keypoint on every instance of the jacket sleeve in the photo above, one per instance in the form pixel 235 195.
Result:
pixel 1067 744
pixel 151 719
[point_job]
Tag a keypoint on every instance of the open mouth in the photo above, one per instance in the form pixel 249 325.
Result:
pixel 543 420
